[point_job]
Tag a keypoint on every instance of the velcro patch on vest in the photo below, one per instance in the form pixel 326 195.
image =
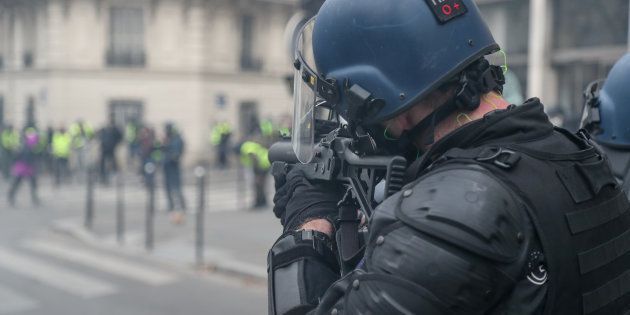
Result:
pixel 604 253
pixel 583 220
pixel 446 10
pixel 574 184
pixel 607 293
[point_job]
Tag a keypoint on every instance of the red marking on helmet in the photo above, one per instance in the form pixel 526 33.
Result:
pixel 456 6
pixel 446 9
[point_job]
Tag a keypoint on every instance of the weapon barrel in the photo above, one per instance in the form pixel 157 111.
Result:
pixel 283 152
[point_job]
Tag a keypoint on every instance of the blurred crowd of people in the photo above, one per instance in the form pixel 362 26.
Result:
pixel 69 153
pixel 27 152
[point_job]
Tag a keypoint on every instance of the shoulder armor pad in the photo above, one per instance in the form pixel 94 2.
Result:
pixel 466 208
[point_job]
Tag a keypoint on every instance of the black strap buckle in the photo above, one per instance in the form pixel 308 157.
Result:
pixel 500 157
pixel 318 240
pixel 584 134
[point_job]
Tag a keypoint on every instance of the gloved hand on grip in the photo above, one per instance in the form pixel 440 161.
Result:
pixel 298 200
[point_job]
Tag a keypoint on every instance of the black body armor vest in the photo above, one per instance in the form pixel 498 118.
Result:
pixel 579 211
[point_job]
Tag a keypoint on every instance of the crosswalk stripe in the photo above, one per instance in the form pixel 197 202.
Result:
pixel 11 301
pixel 107 263
pixel 57 277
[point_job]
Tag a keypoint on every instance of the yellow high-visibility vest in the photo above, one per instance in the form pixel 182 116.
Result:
pixel 266 128
pixel 259 151
pixel 218 132
pixel 10 140
pixel 61 144
pixel 79 139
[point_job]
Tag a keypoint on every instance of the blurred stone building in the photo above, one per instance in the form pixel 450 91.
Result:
pixel 557 47
pixel 191 62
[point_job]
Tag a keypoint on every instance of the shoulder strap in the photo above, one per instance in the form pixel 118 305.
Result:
pixel 626 183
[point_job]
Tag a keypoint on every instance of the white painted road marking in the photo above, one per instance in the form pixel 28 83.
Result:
pixel 11 301
pixel 102 262
pixel 57 277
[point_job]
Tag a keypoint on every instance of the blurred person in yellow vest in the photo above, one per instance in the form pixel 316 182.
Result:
pixel 255 155
pixel 9 144
pixel 273 131
pixel 82 133
pixel 266 128
pixel 61 150
pixel 284 126
pixel 220 138
pixel 269 131
pixel 285 132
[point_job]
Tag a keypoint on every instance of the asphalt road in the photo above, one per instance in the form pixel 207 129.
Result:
pixel 43 272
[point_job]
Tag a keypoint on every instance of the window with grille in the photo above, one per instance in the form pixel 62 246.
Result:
pixel 590 23
pixel 126 37
pixel 249 62
pixel 126 110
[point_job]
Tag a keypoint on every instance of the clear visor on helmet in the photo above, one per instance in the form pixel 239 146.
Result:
pixel 305 95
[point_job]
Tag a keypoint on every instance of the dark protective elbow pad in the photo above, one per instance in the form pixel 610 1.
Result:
pixel 301 266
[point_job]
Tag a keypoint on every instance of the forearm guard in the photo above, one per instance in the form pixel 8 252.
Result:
pixel 301 266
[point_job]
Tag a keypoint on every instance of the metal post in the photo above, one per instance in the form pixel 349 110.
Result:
pixel 149 170
pixel 200 174
pixel 241 194
pixel 120 209
pixel 89 200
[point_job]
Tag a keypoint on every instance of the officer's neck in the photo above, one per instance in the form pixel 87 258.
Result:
pixel 489 102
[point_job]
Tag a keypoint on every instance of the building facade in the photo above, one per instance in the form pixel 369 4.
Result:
pixel 195 62
pixel 189 62
pixel 557 47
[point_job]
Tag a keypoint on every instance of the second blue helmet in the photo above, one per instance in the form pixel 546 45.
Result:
pixel 607 108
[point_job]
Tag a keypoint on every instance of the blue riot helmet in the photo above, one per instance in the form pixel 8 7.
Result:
pixel 372 59
pixel 606 112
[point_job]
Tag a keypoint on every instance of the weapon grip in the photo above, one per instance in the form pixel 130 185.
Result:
pixel 279 171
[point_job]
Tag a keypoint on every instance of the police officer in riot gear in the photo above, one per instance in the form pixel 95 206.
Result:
pixel 502 212
pixel 606 116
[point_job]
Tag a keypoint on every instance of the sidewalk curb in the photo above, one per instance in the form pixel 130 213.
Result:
pixel 224 265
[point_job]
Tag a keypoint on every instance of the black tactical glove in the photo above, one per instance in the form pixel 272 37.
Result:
pixel 298 200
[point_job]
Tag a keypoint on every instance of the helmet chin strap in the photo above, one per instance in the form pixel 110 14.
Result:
pixel 429 124
pixel 478 79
